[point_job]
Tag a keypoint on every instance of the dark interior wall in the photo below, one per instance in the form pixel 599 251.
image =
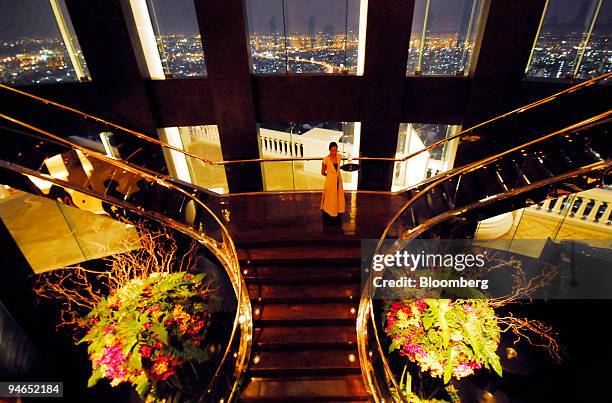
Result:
pixel 55 358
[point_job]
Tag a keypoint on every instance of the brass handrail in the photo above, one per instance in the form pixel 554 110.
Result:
pixel 513 112
pixel 484 161
pixel 226 254
pixel 153 140
pixel 365 311
pixel 103 121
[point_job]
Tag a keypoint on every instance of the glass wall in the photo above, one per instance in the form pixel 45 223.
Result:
pixel 443 35
pixel 414 137
pixel 597 57
pixel 573 40
pixel 585 217
pixel 304 36
pixel 178 37
pixel 202 141
pixel 305 140
pixel 51 234
pixel 38 44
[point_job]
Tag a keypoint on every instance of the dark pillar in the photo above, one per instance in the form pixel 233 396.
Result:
pixel 509 32
pixel 100 26
pixel 388 37
pixel 223 27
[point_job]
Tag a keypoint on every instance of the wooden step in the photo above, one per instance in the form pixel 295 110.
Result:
pixel 302 274
pixel 342 388
pixel 305 362
pixel 283 337
pixel 309 253
pixel 299 243
pixel 328 312
pixel 304 292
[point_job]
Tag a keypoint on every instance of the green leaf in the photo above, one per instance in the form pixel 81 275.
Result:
pixel 95 377
pixel 395 344
pixel 496 365
pixel 450 363
pixel 427 322
pixel 493 359
pixel 143 385
pixel 160 331
pixel 135 360
pixel 443 307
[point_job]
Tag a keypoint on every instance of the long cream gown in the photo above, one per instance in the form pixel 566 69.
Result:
pixel 332 201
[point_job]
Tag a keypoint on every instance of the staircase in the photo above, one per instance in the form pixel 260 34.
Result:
pixel 305 298
pixel 305 294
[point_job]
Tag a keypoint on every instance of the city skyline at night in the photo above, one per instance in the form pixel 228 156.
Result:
pixel 308 38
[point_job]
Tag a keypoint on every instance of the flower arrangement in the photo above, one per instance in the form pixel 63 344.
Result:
pixel 145 330
pixel 146 317
pixel 445 338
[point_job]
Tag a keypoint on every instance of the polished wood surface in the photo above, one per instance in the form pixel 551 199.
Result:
pixel 291 217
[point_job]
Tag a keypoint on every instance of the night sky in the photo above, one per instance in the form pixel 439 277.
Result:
pixel 27 18
pixel 24 18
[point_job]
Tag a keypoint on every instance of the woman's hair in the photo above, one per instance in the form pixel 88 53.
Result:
pixel 332 145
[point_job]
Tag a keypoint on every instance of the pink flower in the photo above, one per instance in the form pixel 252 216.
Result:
pixel 113 359
pixel 421 305
pixel 145 351
pixel 148 325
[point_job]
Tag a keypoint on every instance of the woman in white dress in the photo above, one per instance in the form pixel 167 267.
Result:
pixel 332 201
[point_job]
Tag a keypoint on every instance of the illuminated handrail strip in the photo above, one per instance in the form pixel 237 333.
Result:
pixel 227 255
pixel 486 161
pixel 153 140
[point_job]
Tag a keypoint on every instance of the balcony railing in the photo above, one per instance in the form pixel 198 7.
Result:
pixel 592 208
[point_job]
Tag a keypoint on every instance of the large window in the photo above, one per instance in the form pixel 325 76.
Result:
pixel 443 34
pixel 415 137
pixel 178 37
pixel 573 40
pixel 201 141
pixel 38 44
pixel 305 140
pixel 304 36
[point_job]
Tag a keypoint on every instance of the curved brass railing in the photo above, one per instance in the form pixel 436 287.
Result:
pixel 221 244
pixel 461 134
pixel 466 132
pixel 376 371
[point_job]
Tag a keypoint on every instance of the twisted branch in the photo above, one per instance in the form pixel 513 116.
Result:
pixel 80 289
